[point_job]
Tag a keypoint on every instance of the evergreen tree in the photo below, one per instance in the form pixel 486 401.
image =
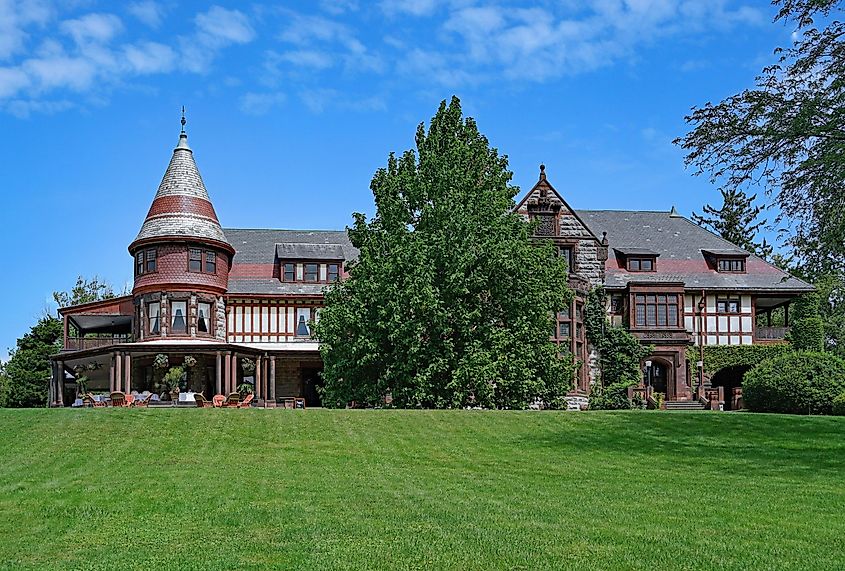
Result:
pixel 736 221
pixel 450 302
pixel 28 369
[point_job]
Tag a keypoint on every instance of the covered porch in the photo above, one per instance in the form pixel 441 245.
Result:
pixel 274 375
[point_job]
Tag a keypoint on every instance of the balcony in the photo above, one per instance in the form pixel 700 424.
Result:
pixel 770 333
pixel 82 343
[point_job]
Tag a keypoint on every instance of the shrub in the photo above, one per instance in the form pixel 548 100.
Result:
pixel 839 405
pixel 611 397
pixel 807 330
pixel 798 383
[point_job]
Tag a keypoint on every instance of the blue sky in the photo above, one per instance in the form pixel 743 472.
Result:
pixel 293 105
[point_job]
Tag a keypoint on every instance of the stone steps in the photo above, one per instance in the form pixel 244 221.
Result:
pixel 684 405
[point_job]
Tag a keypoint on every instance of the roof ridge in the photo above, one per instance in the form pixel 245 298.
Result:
pixel 283 230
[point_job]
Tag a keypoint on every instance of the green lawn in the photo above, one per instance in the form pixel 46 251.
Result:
pixel 318 489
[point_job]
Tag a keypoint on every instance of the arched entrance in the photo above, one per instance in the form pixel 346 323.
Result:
pixel 731 379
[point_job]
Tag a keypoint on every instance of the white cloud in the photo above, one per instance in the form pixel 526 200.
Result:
pixel 150 57
pixel 97 28
pixel 149 12
pixel 12 80
pixel 318 99
pixel 306 58
pixel 260 103
pixel 337 7
pixel 220 27
pixel 15 18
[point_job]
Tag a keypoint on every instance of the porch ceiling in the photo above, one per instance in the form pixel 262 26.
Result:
pixel 102 322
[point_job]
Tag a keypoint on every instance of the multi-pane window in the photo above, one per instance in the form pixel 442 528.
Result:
pixel 145 261
pixel 311 273
pixel 178 313
pixel 289 272
pixel 194 260
pixel 731 265
pixel 727 306
pixel 200 260
pixel 656 310
pixel 204 317
pixel 154 317
pixel 641 264
pixel 565 252
pixel 333 273
pixel 210 263
pixel 617 304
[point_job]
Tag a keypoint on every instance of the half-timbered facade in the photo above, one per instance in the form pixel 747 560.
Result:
pixel 230 297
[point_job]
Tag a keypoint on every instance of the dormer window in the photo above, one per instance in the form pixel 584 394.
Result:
pixel 288 272
pixel 641 264
pixel 311 272
pixel 735 265
pixel 637 259
pixel 728 260
pixel 332 273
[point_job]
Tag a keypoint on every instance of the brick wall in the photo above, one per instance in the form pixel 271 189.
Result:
pixel 172 269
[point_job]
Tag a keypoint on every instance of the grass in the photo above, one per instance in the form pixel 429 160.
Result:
pixel 255 489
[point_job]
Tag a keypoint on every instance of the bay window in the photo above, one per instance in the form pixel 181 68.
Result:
pixel 656 310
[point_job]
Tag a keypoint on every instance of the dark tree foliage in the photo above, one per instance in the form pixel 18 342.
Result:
pixel 28 369
pixel 450 301
pixel 807 329
pixel 787 135
pixel 797 382
pixel 84 291
pixel 736 221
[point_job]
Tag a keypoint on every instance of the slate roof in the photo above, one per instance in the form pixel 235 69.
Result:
pixel 302 251
pixel 680 243
pixel 260 246
pixel 181 206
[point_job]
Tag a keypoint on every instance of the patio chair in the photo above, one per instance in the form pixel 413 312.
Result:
pixel 201 401
pixel 89 400
pixel 245 403
pixel 233 400
pixel 130 400
pixel 98 403
pixel 118 399
pixel 143 401
pixel 218 400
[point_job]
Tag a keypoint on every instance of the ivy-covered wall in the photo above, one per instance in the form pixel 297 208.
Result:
pixel 717 357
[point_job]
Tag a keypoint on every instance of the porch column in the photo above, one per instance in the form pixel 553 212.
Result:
pixel 111 373
pixel 272 379
pixel 60 385
pixel 118 372
pixel 257 377
pixel 234 378
pixel 227 372
pixel 127 371
pixel 51 389
pixel 219 374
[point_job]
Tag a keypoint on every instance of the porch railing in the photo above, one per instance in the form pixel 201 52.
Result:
pixel 80 343
pixel 770 333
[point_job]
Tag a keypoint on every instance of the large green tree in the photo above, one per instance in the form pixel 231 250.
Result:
pixel 25 377
pixel 450 301
pixel 737 221
pixel 787 134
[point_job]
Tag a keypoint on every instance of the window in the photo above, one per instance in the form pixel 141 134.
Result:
pixel 303 321
pixel 564 330
pixel 563 326
pixel 194 260
pixel 727 306
pixel 333 273
pixel 154 316
pixel 311 272
pixel 641 264
pixel 656 310
pixel 145 262
pixel 151 261
pixel 731 265
pixel 617 304
pixel 204 317
pixel 178 312
pixel 565 252
pixel 210 263
pixel 288 272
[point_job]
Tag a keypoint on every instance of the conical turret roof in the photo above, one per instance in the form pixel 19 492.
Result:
pixel 181 207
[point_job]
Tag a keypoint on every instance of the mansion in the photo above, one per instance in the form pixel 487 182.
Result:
pixel 240 302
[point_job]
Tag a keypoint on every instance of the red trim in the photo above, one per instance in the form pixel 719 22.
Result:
pixel 177 204
pixel 225 246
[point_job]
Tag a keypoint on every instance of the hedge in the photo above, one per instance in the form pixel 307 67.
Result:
pixel 802 382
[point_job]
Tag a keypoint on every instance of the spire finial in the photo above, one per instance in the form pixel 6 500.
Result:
pixel 542 171
pixel 183 121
